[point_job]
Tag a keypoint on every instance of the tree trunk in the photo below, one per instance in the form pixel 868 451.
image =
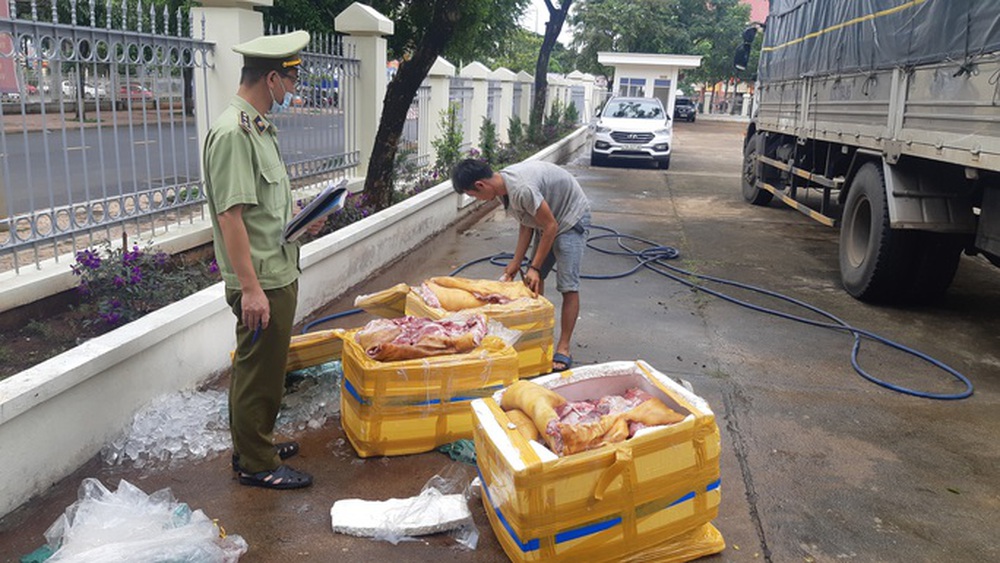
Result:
pixel 188 74
pixel 553 27
pixel 398 97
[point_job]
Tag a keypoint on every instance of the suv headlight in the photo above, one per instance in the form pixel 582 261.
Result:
pixel 664 131
pixel 603 129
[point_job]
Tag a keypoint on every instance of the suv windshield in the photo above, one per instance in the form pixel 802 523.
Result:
pixel 634 109
pixel 684 102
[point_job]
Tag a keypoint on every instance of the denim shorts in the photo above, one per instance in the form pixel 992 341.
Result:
pixel 567 253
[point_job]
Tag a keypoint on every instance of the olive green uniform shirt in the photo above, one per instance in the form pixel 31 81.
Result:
pixel 243 166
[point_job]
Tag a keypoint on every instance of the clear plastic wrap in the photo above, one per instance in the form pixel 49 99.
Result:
pixel 413 406
pixel 129 525
pixel 441 506
pixel 534 318
pixel 510 336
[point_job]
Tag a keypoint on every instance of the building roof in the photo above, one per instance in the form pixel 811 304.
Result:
pixel 648 59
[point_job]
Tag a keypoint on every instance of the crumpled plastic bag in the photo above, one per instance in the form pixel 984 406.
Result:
pixel 129 525
pixel 442 506
pixel 509 336
pixel 463 450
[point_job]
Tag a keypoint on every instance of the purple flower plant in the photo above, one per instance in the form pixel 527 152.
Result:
pixel 88 259
pixel 129 257
pixel 111 317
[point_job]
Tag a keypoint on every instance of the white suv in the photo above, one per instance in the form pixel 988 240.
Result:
pixel 632 129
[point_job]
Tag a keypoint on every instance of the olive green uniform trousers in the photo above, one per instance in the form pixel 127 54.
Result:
pixel 258 381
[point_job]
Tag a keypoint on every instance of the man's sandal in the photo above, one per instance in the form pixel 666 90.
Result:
pixel 285 451
pixel 565 359
pixel 284 477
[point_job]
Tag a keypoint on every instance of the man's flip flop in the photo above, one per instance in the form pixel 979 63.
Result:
pixel 564 359
pixel 283 477
pixel 285 451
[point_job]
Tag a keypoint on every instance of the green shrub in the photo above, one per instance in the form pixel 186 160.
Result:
pixel 515 131
pixel 570 116
pixel 488 141
pixel 119 285
pixel 37 328
pixel 449 145
pixel 552 124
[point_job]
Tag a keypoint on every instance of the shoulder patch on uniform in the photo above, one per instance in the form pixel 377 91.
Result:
pixel 245 121
pixel 260 123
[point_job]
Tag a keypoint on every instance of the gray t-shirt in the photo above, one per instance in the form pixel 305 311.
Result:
pixel 530 183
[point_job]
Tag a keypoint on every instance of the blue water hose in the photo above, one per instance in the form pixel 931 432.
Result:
pixel 654 257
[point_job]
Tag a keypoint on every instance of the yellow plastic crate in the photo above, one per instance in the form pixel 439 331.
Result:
pixel 535 319
pixel 651 497
pixel 314 348
pixel 413 406
pixel 310 349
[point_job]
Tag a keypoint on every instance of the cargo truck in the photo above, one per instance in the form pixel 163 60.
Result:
pixel 882 118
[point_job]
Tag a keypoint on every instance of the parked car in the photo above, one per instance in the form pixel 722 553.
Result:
pixel 15 96
pixel 632 129
pixel 90 91
pixel 68 89
pixel 135 92
pixel 685 109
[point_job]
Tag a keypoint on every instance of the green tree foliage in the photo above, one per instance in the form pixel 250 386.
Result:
pixel 710 28
pixel 520 53
pixel 487 25
pixel 423 31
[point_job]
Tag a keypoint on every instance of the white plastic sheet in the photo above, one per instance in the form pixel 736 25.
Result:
pixel 129 525
pixel 441 506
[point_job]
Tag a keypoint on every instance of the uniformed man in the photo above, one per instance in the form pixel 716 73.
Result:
pixel 249 197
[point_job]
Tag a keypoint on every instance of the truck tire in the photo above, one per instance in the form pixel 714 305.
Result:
pixel 751 192
pixel 877 263
pixel 937 261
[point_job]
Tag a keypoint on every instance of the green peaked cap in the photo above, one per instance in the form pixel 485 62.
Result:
pixel 275 47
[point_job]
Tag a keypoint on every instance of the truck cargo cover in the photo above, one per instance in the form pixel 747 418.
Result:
pixel 824 37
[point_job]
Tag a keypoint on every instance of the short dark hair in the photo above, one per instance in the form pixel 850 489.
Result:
pixel 468 172
pixel 251 74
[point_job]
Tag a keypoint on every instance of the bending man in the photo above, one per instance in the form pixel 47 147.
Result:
pixel 551 207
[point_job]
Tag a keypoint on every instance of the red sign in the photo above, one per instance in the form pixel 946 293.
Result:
pixel 8 74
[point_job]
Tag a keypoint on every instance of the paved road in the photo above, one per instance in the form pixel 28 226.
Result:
pixel 817 464
pixel 138 151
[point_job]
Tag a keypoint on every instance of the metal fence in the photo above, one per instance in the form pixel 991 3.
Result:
pixel 578 97
pixel 97 134
pixel 414 146
pixel 318 140
pixel 493 92
pixel 460 94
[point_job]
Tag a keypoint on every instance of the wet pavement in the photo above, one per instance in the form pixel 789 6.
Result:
pixel 817 463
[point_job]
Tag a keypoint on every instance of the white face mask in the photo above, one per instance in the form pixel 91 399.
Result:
pixel 286 102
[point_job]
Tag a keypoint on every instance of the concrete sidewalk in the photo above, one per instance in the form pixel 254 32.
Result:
pixel 817 464
pixel 66 117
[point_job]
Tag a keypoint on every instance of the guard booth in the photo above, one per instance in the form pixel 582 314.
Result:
pixel 648 75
